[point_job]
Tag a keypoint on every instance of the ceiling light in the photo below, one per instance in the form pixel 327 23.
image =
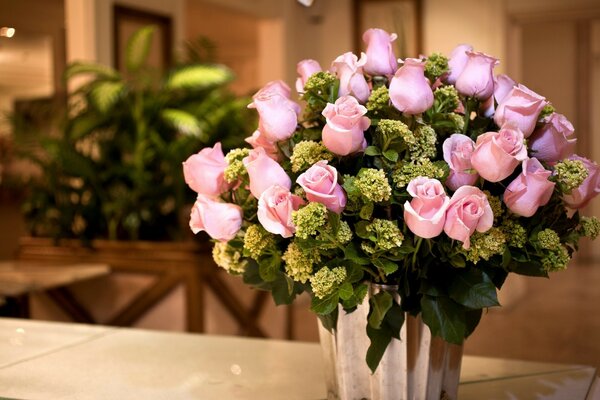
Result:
pixel 7 32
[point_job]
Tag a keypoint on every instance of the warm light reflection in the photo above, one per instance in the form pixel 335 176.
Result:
pixel 7 32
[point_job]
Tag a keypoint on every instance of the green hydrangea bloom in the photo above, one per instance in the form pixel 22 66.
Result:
pixel 556 260
pixel 257 240
pixel 548 239
pixel 391 129
pixel 373 184
pixel 387 236
pixel 379 100
pixel 325 280
pixel 590 227
pixel 309 219
pixel 236 169
pixel 306 153
pixel 515 233
pixel 319 82
pixel 546 111
pixel 495 204
pixel 298 264
pixel 343 236
pixel 570 174
pixel 458 120
pixel 227 258
pixel 486 245
pixel 425 167
pixel 436 65
pixel 424 146
pixel 445 99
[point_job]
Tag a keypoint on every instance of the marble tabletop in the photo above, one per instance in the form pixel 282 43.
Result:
pixel 48 360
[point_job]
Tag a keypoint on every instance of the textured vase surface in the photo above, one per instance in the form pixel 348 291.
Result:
pixel 417 367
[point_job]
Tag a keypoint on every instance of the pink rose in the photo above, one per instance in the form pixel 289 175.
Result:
pixel 530 190
pixel 426 213
pixel 457 61
pixel 380 54
pixel 503 84
pixel 477 77
pixel 275 208
pixel 551 142
pixel 409 89
pixel 497 154
pixel 468 211
pixel 349 70
pixel 278 114
pixel 321 186
pixel 458 149
pixel 344 132
pixel 264 172
pixel 221 221
pixel 259 140
pixel 522 107
pixel 306 68
pixel 203 172
pixel 589 188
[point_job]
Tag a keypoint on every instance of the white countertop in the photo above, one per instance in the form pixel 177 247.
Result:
pixel 46 360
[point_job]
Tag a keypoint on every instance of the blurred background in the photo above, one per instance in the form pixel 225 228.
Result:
pixel 552 46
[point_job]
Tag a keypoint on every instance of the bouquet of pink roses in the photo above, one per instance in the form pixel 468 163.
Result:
pixel 433 175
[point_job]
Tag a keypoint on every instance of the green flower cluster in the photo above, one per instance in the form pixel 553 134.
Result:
pixel 495 205
pixel 343 235
pixel 379 100
pixel 570 174
pixel 446 100
pixel 391 129
pixel 298 264
pixel 486 245
pixel 228 258
pixel 386 234
pixel 436 65
pixel 590 227
pixel 548 239
pixel 236 169
pixel 306 153
pixel 556 260
pixel 515 233
pixel 325 280
pixel 373 184
pixel 257 240
pixel 309 219
pixel 546 111
pixel 319 82
pixel 409 171
pixel 424 145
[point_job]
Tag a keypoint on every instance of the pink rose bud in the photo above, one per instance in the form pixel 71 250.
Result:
pixel 589 188
pixel 259 140
pixel 522 107
pixel 552 141
pixel 221 221
pixel 458 149
pixel 503 84
pixel 409 89
pixel 344 131
pixel 278 114
pixel 264 172
pixel 306 68
pixel 275 208
pixel 426 213
pixel 203 172
pixel 468 211
pixel 477 77
pixel 530 190
pixel 457 62
pixel 321 186
pixel 349 70
pixel 380 54
pixel 497 154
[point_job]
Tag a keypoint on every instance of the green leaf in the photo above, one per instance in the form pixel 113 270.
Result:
pixel 351 253
pixel 199 77
pixel 105 94
pixel 183 121
pixel 325 305
pixel 329 321
pixel 354 271
pixel 334 221
pixel 444 317
pixel 387 266
pixel 380 304
pixel 473 289
pixel 394 319
pixel 346 291
pixel 472 320
pixel 269 268
pixel 281 291
pixel 391 155
pixel 367 210
pixel 372 151
pixel 380 339
pixel 458 261
pixel 101 71
pixel 361 229
pixel 138 48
